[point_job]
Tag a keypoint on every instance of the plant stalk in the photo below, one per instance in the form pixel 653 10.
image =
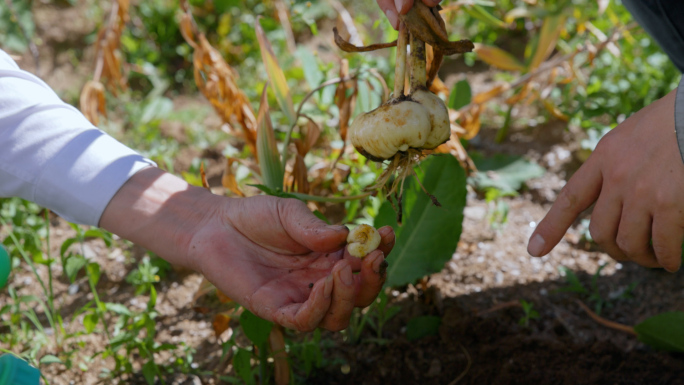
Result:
pixel 400 62
pixel 418 71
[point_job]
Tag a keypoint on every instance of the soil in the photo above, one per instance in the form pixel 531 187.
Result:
pixel 480 339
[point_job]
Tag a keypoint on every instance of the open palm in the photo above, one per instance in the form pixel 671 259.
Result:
pixel 275 257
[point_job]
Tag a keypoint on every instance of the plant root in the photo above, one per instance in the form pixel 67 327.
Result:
pixel 607 323
pixel 349 47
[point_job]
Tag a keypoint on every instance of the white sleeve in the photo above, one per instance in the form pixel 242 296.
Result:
pixel 52 155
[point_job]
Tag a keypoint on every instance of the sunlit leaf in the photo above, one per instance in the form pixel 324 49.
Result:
pixel 498 58
pixel 228 179
pixel 516 13
pixel 554 110
pixel 486 96
pixel 548 36
pixel 49 359
pixel 275 74
pixel 428 238
pixel 272 172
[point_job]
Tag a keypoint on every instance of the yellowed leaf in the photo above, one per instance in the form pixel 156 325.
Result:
pixel 553 109
pixel 483 97
pixel 275 74
pixel 220 324
pixel 228 179
pixel 548 36
pixel 498 58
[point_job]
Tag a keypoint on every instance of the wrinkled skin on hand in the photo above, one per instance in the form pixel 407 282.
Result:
pixel 265 252
pixel 636 178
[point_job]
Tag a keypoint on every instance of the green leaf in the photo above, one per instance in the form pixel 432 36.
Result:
pixel 313 74
pixel 504 172
pixel 65 246
pixel 255 328
pixel 242 366
pixel 149 371
pixel 272 172
pixel 484 16
pixel 118 308
pixel 460 96
pixel 73 265
pixel 386 217
pixel 428 238
pixel 94 273
pixel 664 331
pixel 50 359
pixel 422 326
pixel 90 322
pixel 574 284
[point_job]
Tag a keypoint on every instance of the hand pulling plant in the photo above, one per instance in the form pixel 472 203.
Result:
pixel 413 122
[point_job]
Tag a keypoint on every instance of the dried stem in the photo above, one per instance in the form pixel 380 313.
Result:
pixel 610 324
pixel 418 72
pixel 99 64
pixel 400 65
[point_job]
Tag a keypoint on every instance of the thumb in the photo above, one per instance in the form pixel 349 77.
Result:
pixel 308 230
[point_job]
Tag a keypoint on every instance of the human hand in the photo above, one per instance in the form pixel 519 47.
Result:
pixel 394 8
pixel 636 178
pixel 263 252
pixel 276 258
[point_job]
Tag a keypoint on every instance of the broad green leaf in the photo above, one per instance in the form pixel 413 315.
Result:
pixel 507 173
pixel 275 74
pixel 90 322
pixel 312 73
pixel 73 265
pixel 255 328
pixel 664 331
pixel 242 366
pixel 422 326
pixel 49 359
pixel 149 371
pixel 498 58
pixel 267 151
pixel 548 36
pixel 428 237
pixel 94 273
pixel 65 246
pixel 461 95
pixel 386 217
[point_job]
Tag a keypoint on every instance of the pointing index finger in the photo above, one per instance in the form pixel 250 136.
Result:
pixel 579 193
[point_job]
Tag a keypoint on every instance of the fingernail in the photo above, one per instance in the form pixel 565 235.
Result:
pixel 536 245
pixel 327 289
pixel 393 18
pixel 377 262
pixel 346 275
pixel 340 228
pixel 399 4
